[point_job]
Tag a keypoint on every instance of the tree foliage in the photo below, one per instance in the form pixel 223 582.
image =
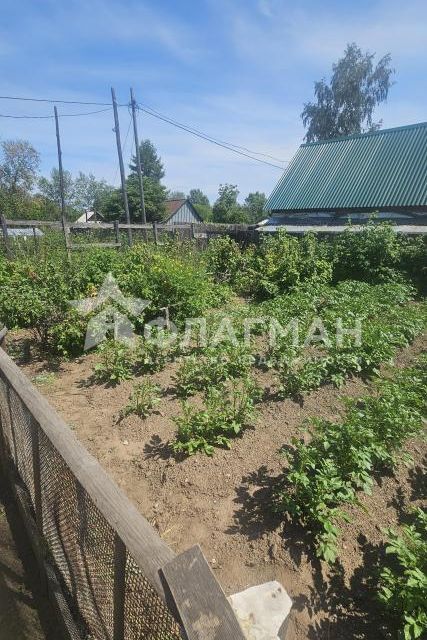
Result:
pixel 82 193
pixel 196 196
pixel 151 163
pixel 346 105
pixel 18 167
pixel 254 206
pixel 226 207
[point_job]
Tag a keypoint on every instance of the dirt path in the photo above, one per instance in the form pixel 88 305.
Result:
pixel 24 614
pixel 222 502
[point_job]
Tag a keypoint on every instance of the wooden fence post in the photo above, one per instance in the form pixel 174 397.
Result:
pixel 156 238
pixel 3 225
pixel 116 231
pixel 193 232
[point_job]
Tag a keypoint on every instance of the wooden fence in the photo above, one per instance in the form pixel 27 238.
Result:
pixel 201 232
pixel 106 570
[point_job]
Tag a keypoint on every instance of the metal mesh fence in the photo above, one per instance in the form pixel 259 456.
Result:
pixel 106 592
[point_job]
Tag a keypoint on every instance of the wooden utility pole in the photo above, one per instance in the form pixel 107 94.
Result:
pixel 61 182
pixel 122 168
pixel 138 158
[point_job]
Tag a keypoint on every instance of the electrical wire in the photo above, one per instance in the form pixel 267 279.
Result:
pixel 93 104
pixel 242 151
pixel 208 138
pixel 60 115
pixel 193 129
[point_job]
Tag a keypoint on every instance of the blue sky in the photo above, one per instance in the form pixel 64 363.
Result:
pixel 239 70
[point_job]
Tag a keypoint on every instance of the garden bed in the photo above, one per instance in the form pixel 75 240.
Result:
pixel 223 502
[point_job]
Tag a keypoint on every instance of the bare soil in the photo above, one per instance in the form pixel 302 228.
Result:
pixel 223 502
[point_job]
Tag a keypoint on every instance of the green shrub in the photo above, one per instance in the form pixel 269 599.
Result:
pixel 67 337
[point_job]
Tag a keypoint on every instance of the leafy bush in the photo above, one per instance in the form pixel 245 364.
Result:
pixel 67 337
pixel 403 588
pixel 228 410
pixel 116 364
pixel 143 399
pixel 33 294
pixel 327 472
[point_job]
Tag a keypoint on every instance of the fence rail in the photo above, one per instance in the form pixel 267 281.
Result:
pixel 100 558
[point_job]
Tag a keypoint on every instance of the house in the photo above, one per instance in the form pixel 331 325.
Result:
pixel 89 216
pixel 181 211
pixel 330 182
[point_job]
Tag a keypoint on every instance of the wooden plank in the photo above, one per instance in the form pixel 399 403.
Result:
pixel 144 544
pixel 105 245
pixel 33 223
pixel 203 608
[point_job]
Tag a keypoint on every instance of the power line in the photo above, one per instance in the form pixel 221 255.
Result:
pixel 51 101
pixel 62 115
pixel 239 150
pixel 193 129
pixel 208 138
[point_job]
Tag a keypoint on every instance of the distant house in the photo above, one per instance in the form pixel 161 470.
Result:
pixel 89 216
pixel 181 211
pixel 351 177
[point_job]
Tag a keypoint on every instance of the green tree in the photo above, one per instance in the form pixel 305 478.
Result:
pixel 110 205
pixel 176 195
pixel 151 163
pixel 19 163
pixel 87 190
pixel 50 187
pixel 196 196
pixel 154 199
pixel 226 208
pixel 346 105
pixel 254 205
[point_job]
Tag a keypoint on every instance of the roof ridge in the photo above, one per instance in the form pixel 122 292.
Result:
pixel 363 135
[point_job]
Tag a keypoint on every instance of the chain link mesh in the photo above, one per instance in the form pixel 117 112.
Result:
pixel 78 540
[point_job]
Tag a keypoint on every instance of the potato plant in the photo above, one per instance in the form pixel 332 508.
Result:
pixel 227 410
pixel 403 584
pixel 327 472
pixel 144 398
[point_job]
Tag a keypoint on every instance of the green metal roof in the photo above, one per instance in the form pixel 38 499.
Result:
pixel 378 170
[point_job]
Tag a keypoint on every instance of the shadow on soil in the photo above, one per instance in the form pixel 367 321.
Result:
pixel 349 603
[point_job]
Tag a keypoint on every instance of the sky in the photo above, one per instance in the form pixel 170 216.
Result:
pixel 238 70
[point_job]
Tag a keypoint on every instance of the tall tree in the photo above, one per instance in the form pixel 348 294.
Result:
pixel 254 205
pixel 151 163
pixel 226 208
pixel 176 195
pixel 50 187
pixel 19 164
pixel 197 196
pixel 110 206
pixel 87 190
pixel 346 105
